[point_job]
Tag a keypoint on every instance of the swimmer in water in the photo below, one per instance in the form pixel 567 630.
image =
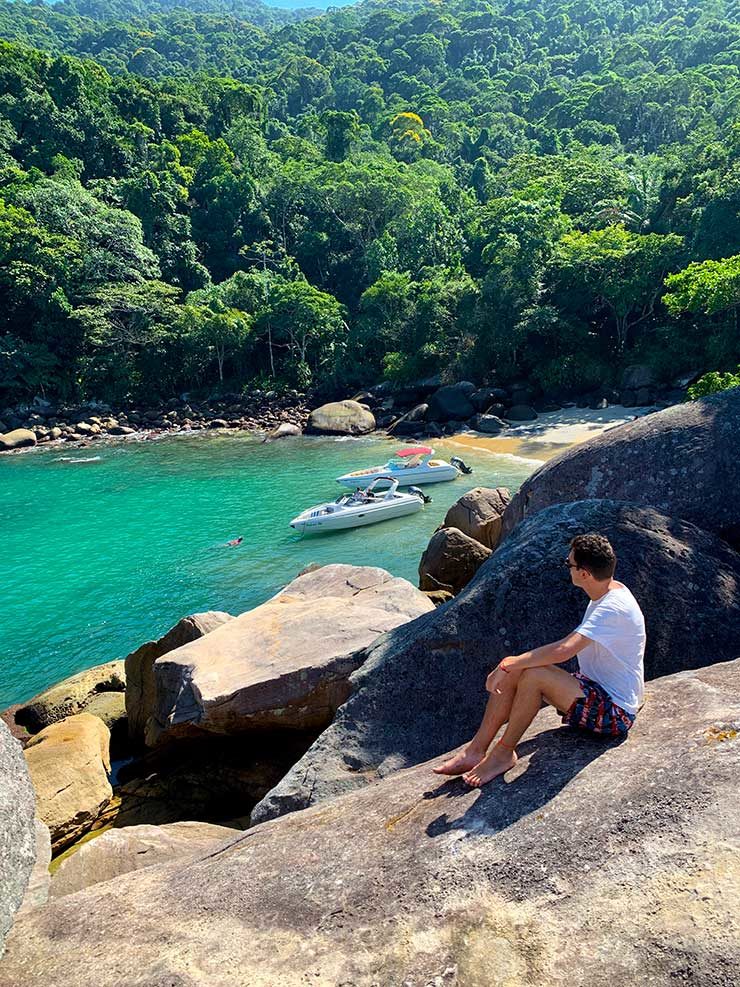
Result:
pixel 234 542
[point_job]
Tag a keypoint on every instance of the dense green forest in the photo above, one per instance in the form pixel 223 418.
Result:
pixel 206 194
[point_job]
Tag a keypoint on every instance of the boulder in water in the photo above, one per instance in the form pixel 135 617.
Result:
pixel 19 438
pixel 450 560
pixel 341 418
pixel 489 424
pixel 478 514
pixel 684 462
pixel 285 430
pixel 522 597
pixel 284 664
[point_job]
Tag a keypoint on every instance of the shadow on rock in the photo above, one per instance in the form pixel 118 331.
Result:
pixel 546 764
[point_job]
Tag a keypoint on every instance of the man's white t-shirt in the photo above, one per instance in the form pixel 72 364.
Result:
pixel 615 627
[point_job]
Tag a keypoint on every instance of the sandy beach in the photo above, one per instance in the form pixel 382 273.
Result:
pixel 551 433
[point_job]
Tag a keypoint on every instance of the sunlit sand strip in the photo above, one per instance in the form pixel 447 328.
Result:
pixel 550 434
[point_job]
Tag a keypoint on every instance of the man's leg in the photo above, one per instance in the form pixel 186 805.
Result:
pixel 556 686
pixel 497 712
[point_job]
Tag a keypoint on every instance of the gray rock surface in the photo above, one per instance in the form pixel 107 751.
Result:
pixel 71 695
pixel 684 461
pixel 341 418
pixel 591 863
pixel 420 690
pixel 140 688
pixel 17 832
pixel 451 403
pixel 284 664
pixel 450 560
pixel 478 514
pixel 120 851
pixel 37 892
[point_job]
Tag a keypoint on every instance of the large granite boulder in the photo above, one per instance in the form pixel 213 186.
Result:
pixel 69 764
pixel 72 695
pixel 284 664
pixel 120 851
pixel 420 689
pixel 478 514
pixel 684 461
pixel 591 863
pixel 17 832
pixel 140 688
pixel 19 438
pixel 451 403
pixel 450 560
pixel 341 418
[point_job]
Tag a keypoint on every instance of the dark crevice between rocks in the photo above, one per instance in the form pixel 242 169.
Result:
pixel 216 779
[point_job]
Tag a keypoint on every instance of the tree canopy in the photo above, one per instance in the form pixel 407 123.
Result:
pixel 196 194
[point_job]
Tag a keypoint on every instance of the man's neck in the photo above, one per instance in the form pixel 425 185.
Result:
pixel 598 590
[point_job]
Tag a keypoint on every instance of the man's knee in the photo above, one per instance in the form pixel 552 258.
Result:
pixel 531 678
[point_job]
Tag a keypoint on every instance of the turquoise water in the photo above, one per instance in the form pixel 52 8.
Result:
pixel 98 557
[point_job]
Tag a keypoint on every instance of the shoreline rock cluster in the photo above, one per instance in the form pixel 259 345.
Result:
pixel 423 409
pixel 430 409
pixel 210 716
pixel 44 422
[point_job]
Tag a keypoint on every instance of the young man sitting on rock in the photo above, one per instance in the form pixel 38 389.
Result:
pixel 603 697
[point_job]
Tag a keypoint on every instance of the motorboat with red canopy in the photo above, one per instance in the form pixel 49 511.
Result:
pixel 409 466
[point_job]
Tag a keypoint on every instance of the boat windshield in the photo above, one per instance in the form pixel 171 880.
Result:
pixel 407 463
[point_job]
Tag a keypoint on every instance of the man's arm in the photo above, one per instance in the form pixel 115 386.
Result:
pixel 548 654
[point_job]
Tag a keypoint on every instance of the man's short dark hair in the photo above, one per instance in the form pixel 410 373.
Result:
pixel 595 554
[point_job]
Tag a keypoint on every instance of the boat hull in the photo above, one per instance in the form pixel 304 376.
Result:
pixel 355 517
pixel 406 478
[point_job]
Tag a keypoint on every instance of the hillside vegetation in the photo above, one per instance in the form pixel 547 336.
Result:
pixel 218 192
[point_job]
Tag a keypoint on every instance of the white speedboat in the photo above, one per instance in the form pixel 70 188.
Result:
pixel 361 507
pixel 408 466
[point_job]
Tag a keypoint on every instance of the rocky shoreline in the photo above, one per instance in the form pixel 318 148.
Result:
pixel 45 423
pixel 424 409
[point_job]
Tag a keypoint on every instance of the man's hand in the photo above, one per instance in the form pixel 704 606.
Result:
pixel 498 677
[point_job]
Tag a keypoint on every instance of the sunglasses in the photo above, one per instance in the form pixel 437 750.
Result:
pixel 571 565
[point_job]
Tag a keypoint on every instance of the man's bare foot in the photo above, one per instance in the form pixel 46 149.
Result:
pixel 498 762
pixel 460 763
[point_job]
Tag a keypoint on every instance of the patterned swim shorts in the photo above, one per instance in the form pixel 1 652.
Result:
pixel 597 711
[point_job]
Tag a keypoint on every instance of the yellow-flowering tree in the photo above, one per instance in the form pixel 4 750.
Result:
pixel 408 136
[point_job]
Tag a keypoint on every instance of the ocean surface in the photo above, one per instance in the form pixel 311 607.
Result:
pixel 99 555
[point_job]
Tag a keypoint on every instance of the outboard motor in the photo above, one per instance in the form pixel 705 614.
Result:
pixel 420 493
pixel 459 464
